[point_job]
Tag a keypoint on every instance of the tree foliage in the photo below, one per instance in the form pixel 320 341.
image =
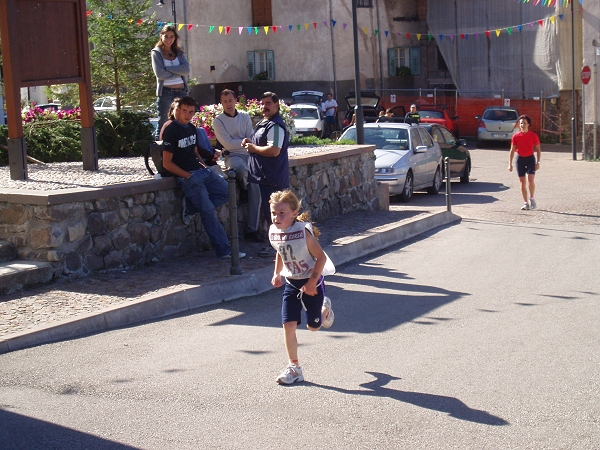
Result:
pixel 121 35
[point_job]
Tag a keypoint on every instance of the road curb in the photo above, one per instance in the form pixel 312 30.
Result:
pixel 157 306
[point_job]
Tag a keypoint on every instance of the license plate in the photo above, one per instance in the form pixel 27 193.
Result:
pixel 499 135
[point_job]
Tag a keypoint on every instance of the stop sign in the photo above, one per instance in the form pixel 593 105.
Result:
pixel 586 74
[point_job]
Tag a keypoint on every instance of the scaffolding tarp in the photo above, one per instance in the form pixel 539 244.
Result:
pixel 521 58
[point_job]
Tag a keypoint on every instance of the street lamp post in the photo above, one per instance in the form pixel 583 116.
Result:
pixel 358 110
pixel 161 3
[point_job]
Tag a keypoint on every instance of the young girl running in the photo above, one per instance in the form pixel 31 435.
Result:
pixel 300 264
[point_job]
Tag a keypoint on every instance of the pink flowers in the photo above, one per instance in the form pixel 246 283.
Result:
pixel 39 114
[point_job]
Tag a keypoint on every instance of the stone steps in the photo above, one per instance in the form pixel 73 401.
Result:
pixel 16 274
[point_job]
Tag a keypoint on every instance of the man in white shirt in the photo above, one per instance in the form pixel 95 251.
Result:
pixel 231 127
pixel 330 107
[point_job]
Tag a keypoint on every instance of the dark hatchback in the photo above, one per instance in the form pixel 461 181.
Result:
pixel 369 102
pixel 453 148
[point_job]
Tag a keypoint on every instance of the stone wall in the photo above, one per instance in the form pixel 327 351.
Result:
pixel 127 225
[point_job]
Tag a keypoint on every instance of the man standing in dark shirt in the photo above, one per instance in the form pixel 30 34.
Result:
pixel 412 116
pixel 203 189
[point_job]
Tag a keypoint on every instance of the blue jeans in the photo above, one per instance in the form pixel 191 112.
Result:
pixel 163 103
pixel 205 191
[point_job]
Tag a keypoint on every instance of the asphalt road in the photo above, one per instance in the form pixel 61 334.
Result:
pixel 479 335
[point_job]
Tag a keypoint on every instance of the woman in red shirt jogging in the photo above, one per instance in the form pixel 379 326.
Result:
pixel 526 143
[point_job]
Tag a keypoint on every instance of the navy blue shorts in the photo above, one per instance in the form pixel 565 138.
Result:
pixel 525 165
pixel 291 307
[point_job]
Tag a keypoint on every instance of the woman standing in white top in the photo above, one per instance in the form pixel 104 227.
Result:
pixel 171 68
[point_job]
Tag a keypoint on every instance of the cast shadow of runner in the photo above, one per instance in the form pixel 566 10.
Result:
pixel 449 405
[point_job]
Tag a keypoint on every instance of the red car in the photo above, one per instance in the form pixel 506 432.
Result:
pixel 439 115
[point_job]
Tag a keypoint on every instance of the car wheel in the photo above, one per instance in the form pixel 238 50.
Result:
pixel 407 192
pixel 437 183
pixel 465 176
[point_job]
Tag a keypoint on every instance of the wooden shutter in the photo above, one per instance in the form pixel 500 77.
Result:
pixel 415 61
pixel 271 64
pixel 250 56
pixel 392 62
pixel 261 13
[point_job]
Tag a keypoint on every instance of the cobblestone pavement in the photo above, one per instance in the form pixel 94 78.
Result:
pixel 566 191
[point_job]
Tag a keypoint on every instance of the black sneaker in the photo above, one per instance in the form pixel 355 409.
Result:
pixel 254 236
pixel 267 252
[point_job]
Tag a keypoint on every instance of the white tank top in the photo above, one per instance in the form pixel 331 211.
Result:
pixel 175 79
pixel 298 263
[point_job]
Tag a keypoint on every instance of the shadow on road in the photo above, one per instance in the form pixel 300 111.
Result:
pixel 449 405
pixel 22 432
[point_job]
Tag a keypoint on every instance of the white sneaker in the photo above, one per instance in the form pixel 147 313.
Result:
pixel 228 256
pixel 290 375
pixel 525 207
pixel 328 319
pixel 532 203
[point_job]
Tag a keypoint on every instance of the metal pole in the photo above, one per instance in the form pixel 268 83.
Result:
pixel 574 96
pixel 358 109
pixel 235 268
pixel 583 149
pixel 379 44
pixel 173 11
pixel 595 105
pixel 448 190
pixel 332 49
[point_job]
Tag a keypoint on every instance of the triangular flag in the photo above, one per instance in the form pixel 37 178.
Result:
pixel 325 23
pixel 211 28
pixel 429 36
pixel 552 19
pixel 190 26
pixel 345 25
pixel 266 30
pixel 418 36
pixel 160 24
pixel 386 33
pixel 462 36
pixel 220 29
pixel 249 30
pixel 452 37
pixel 498 33
pixel 333 22
pixel 315 24
pixel 408 35
pixel 560 16
pixel 520 27
pixel 487 33
pixel 441 37
pixel 240 30
pixel 290 27
pixel 476 35
pixel 274 29
pixel 306 26
pixel 509 31
pixel 541 22
pixel 180 26
pixel 366 30
pixel 255 30
pixel 376 32
pixel 227 30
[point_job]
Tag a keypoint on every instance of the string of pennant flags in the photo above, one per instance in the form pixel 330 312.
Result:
pixel 252 30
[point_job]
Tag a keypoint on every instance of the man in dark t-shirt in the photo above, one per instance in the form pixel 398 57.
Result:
pixel 203 189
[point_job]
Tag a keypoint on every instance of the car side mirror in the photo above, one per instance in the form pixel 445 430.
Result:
pixel 462 142
pixel 421 149
pixel 478 117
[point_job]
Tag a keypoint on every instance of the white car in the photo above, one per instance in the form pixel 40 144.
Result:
pixel 497 123
pixel 108 103
pixel 407 158
pixel 308 119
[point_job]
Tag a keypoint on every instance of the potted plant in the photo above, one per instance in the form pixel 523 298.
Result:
pixel 402 71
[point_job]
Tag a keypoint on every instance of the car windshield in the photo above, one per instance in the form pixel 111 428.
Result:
pixel 305 113
pixel 500 114
pixel 382 138
pixel 431 114
pixel 364 101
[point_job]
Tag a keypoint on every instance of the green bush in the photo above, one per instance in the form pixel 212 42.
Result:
pixel 124 134
pixel 314 140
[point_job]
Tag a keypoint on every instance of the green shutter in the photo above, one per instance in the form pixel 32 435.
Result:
pixel 250 56
pixel 270 64
pixel 392 63
pixel 415 60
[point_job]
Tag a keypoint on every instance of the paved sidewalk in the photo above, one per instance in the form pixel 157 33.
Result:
pixel 71 308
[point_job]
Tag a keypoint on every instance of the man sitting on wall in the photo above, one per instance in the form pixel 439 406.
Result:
pixel 203 189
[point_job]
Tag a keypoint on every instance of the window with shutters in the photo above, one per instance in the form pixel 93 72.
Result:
pixel 400 58
pixel 261 65
pixel 364 3
pixel 261 13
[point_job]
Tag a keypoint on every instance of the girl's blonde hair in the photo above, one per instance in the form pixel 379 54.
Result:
pixel 287 196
